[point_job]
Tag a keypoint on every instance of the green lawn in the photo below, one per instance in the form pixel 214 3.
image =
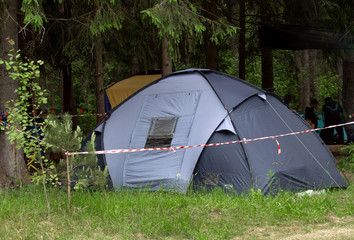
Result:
pixel 161 215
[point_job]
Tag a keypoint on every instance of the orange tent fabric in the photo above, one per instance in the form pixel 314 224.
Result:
pixel 121 90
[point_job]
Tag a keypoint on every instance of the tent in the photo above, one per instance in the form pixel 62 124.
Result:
pixel 117 92
pixel 198 106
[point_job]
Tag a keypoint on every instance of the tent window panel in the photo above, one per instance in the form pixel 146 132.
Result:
pixel 161 132
pixel 211 179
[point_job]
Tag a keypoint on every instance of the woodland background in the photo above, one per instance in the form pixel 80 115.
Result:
pixel 88 44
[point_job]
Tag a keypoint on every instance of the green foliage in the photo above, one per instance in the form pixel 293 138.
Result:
pixel 176 18
pixel 60 133
pixel 128 29
pixel 254 71
pixel 173 19
pixel 273 182
pixel 108 15
pixel 26 128
pixel 337 15
pixel 329 86
pixel 347 163
pixel 90 176
pixel 84 83
pixel 33 13
pixel 285 79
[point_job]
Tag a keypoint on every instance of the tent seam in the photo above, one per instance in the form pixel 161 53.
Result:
pixel 232 121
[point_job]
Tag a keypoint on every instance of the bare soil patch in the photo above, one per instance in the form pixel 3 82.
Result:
pixel 336 228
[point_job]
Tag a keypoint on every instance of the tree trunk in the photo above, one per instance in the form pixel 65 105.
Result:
pixel 51 91
pixel 99 76
pixel 340 78
pixel 267 69
pixel 135 63
pixel 211 53
pixel 166 59
pixel 211 49
pixel 12 164
pixel 242 41
pixel 135 66
pixel 61 89
pixel 267 53
pixel 67 89
pixel 302 67
pixel 314 73
pixel 69 104
pixel 348 83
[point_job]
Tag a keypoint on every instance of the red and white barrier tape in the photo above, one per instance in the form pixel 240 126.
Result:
pixel 104 114
pixel 74 115
pixel 279 149
pixel 244 140
pixel 84 115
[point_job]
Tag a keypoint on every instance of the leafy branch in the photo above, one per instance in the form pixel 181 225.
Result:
pixel 22 112
pixel 175 18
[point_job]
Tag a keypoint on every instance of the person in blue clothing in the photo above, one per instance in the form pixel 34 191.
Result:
pixel 333 114
pixel 38 123
pixel 36 131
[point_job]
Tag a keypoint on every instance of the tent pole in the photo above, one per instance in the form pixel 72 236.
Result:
pixel 233 124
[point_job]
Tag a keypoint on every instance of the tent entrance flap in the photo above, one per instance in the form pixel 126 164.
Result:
pixel 165 120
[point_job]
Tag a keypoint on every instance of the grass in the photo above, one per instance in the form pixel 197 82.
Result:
pixel 160 215
pixel 127 214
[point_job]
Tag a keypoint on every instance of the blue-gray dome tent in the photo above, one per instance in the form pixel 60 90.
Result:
pixel 203 106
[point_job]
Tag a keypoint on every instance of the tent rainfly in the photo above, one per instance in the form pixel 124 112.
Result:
pixel 117 92
pixel 197 106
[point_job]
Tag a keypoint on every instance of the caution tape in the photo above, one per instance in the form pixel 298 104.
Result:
pixel 347 116
pixel 244 140
pixel 3 116
pixel 83 115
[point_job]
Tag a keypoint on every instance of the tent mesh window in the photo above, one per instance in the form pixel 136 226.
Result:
pixel 211 179
pixel 161 132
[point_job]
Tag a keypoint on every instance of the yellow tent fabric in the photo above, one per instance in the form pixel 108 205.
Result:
pixel 121 90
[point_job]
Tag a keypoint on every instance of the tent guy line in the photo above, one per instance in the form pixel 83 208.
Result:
pixel 244 140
